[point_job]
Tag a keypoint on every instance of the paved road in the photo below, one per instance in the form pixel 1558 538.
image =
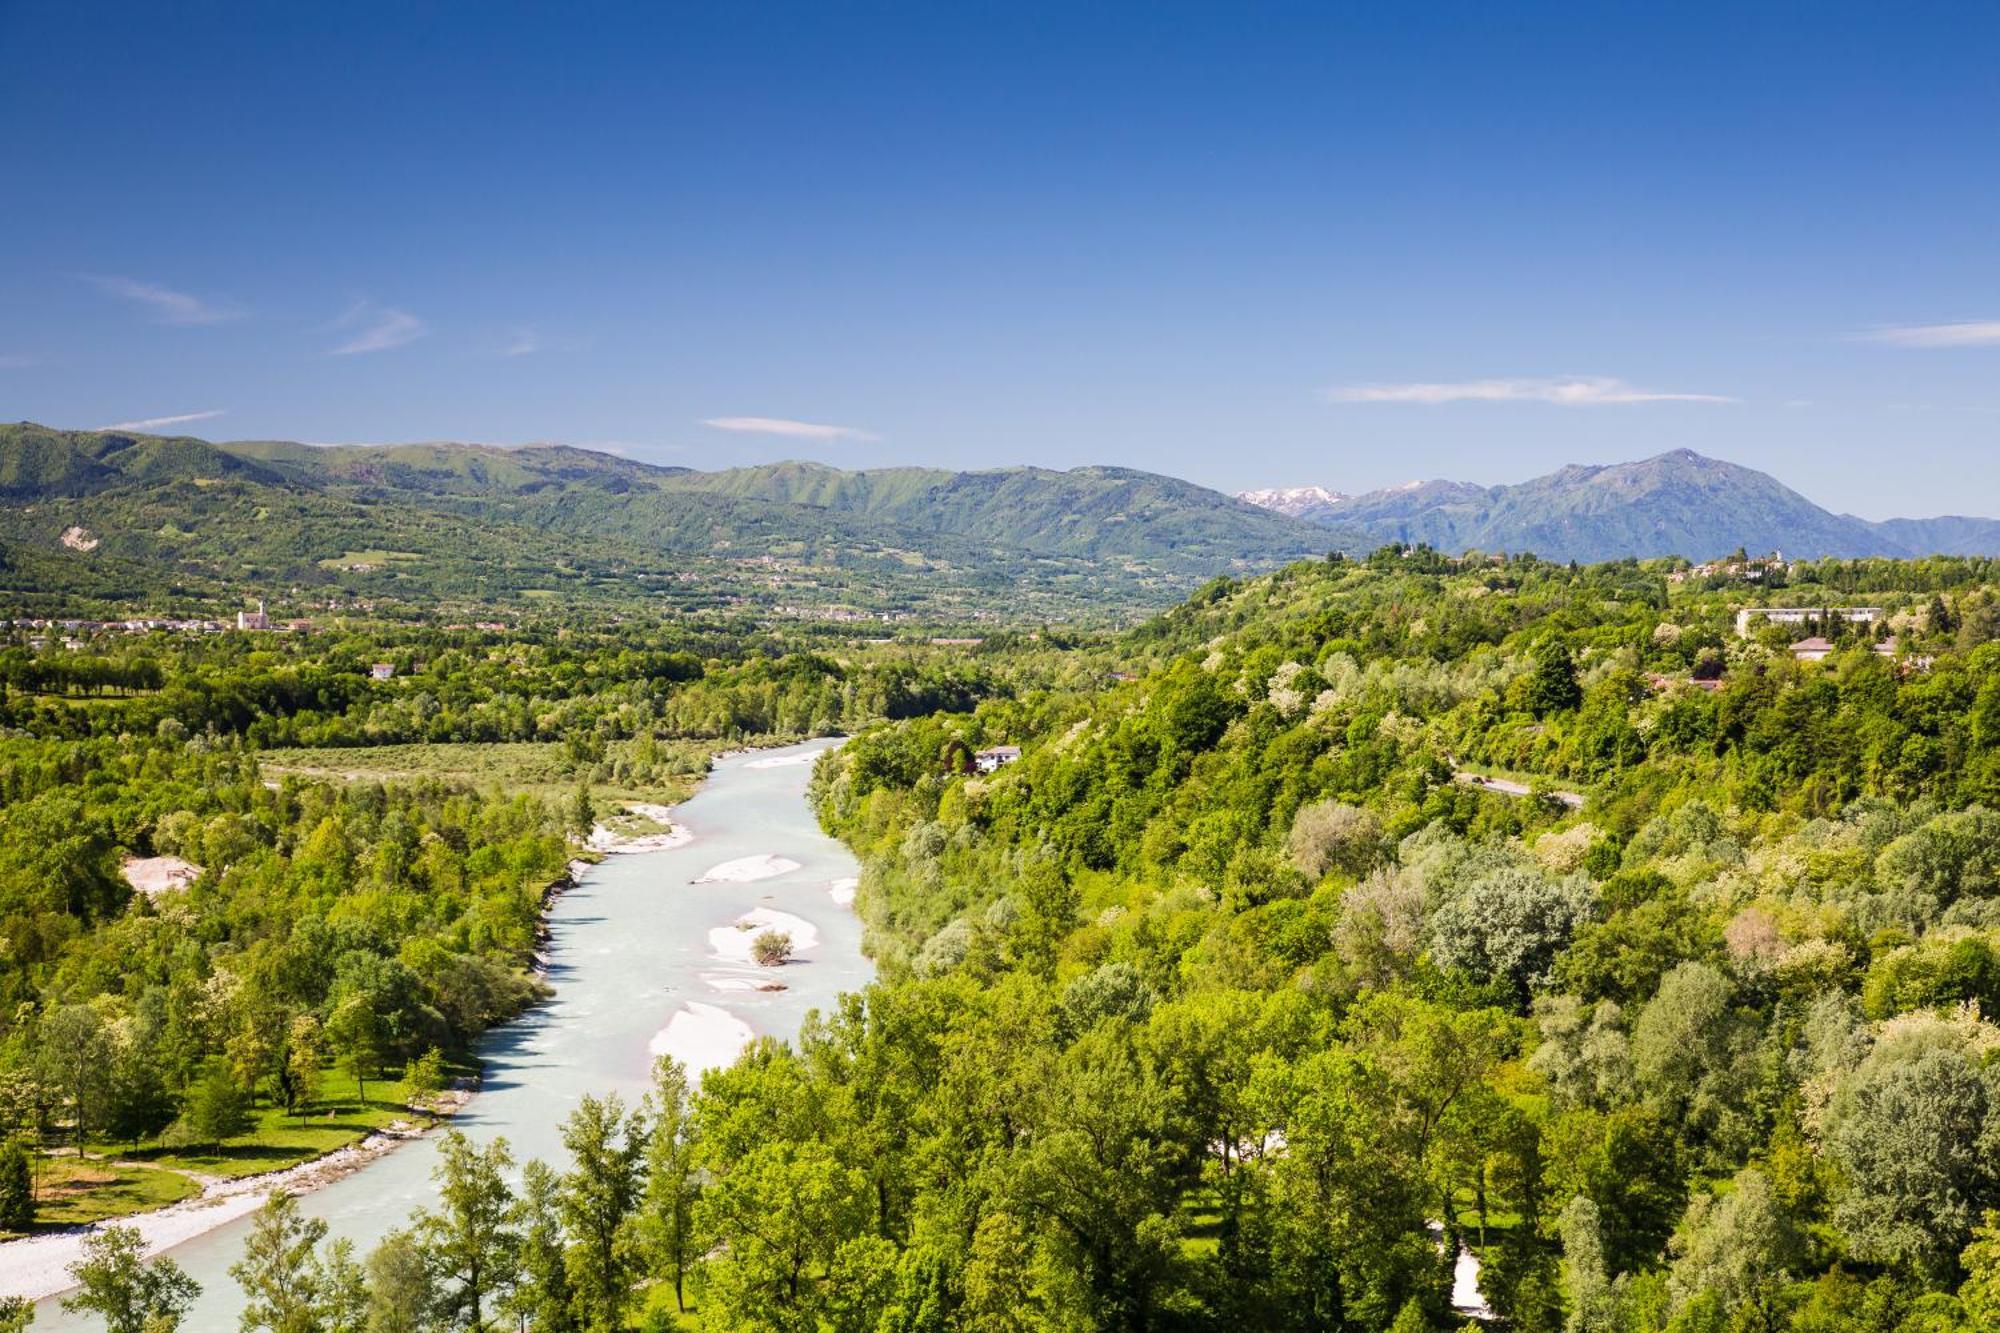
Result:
pixel 1506 788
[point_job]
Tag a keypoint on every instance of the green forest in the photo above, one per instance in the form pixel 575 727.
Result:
pixel 1337 934
pixel 366 867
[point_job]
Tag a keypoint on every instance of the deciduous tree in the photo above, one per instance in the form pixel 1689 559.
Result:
pixel 470 1237
pixel 280 1269
pixel 600 1193
pixel 131 1295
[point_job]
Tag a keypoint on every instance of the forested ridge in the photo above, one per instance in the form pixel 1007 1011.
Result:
pixel 1230 990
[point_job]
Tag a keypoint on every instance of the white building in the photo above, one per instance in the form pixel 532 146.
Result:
pixel 253 619
pixel 1800 615
pixel 988 760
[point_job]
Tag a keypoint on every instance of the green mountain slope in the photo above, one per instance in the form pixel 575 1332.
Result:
pixel 424 521
pixel 445 469
pixel 1091 512
pixel 37 462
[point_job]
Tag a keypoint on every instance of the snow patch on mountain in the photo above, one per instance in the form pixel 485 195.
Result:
pixel 1293 500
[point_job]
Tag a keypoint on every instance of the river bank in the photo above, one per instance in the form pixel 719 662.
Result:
pixel 628 951
pixel 36 1266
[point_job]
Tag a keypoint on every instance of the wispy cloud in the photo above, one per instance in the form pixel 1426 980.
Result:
pixel 1576 392
pixel 168 306
pixel 17 362
pixel 154 423
pixel 1971 333
pixel 797 430
pixel 522 341
pixel 376 328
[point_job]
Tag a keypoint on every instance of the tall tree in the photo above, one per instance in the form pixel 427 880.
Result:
pixel 357 1032
pixel 75 1057
pixel 542 1298
pixel 305 1057
pixel 423 1080
pixel 470 1237
pixel 671 1188
pixel 217 1107
pixel 599 1196
pixel 343 1289
pixel 402 1294
pixel 1553 687
pixel 1914 1130
pixel 780 1215
pixel 280 1270
pixel 135 1098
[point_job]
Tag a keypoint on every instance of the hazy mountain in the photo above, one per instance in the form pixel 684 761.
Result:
pixel 1679 503
pixel 1951 534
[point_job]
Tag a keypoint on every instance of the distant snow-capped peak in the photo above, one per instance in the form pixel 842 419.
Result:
pixel 1293 500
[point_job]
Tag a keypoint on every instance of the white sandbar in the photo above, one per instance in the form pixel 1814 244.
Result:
pixel 702 1036
pixel 732 942
pixel 747 869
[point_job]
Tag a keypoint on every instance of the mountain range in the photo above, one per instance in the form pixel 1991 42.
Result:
pixel 121 513
pixel 1679 503
pixel 118 516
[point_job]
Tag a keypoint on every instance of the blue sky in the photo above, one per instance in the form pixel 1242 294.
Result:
pixel 1249 245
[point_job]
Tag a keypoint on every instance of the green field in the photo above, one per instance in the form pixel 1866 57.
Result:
pixel 72 1191
pixel 278 1139
pixel 375 558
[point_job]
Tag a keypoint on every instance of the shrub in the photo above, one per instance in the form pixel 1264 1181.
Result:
pixel 1331 835
pixel 771 948
pixel 17 1190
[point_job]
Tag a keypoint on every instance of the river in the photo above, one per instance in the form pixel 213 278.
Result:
pixel 632 949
